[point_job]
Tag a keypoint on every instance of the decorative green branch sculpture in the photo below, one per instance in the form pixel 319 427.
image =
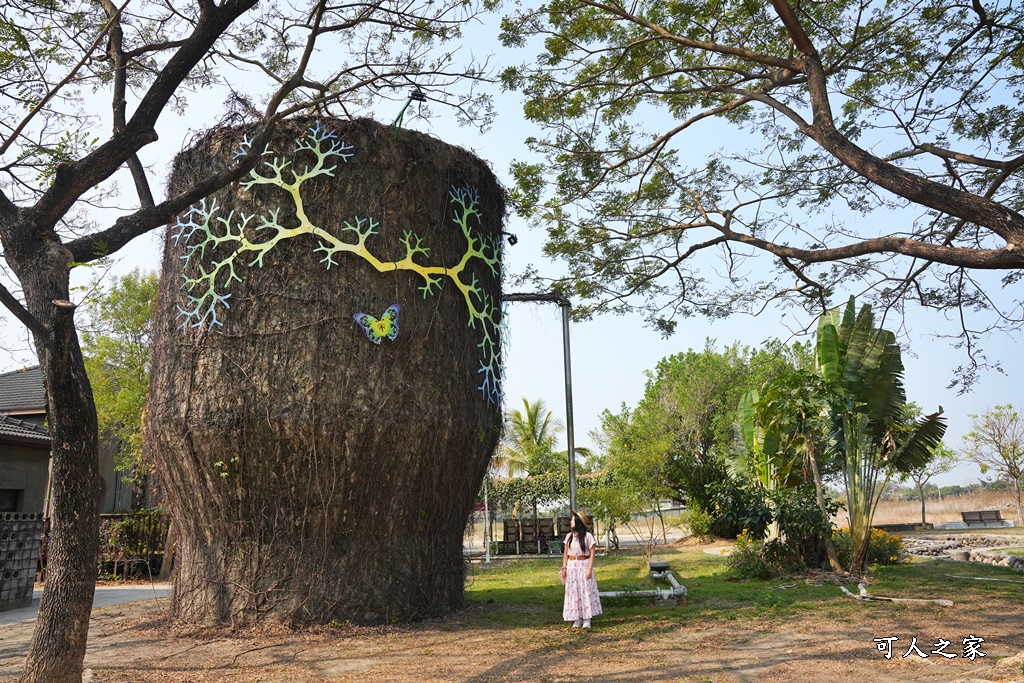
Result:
pixel 207 288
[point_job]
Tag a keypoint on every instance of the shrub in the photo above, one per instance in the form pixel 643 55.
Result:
pixel 883 548
pixel 698 521
pixel 738 509
pixel 754 559
pixel 802 523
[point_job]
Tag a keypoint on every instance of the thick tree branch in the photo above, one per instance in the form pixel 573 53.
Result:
pixel 1001 220
pixel 1009 164
pixel 667 35
pixel 154 47
pixel 1009 256
pixel 75 179
pixel 125 229
pixel 7 208
pixel 115 49
pixel 12 304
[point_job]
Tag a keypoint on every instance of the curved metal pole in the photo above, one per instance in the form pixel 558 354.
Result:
pixel 566 305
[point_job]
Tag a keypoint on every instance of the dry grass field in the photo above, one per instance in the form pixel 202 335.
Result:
pixel 946 510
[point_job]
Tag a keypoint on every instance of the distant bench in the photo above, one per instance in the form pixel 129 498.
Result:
pixel 981 517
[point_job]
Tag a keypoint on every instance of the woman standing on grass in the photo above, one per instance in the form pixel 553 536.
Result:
pixel 582 602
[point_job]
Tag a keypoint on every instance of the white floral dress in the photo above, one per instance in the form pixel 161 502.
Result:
pixel 581 598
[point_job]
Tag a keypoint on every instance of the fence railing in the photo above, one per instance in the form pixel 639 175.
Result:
pixel 131 543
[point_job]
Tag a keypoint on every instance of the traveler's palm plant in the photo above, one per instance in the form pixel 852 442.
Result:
pixel 862 369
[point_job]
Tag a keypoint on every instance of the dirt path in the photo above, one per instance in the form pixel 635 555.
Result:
pixel 132 644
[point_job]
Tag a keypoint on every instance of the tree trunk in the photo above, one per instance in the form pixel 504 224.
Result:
pixel 830 548
pixel 314 474
pixel 168 560
pixel 1020 510
pixel 920 490
pixel 58 641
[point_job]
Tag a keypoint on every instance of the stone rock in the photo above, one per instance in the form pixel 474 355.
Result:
pixel 1009 665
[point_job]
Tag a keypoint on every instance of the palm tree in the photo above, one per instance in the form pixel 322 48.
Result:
pixel 528 442
pixel 527 445
pixel 862 369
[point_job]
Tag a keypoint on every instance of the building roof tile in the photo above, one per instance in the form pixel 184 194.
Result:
pixel 21 429
pixel 22 390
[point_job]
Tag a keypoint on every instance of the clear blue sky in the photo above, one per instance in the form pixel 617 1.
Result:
pixel 611 354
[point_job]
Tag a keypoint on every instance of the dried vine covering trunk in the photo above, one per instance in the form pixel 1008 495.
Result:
pixel 321 447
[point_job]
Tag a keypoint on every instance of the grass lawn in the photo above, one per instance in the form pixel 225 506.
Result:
pixel 715 595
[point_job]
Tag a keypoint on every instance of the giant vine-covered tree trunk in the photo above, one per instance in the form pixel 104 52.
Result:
pixel 324 396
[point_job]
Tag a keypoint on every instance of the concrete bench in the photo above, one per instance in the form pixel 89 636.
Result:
pixel 981 517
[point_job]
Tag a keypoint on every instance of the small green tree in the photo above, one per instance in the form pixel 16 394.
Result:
pixel 688 410
pixel 635 464
pixel 681 431
pixel 996 442
pixel 943 460
pixel 116 344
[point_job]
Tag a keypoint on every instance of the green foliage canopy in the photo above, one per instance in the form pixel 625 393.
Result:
pixel 116 344
pixel 675 441
pixel 830 110
pixel 528 441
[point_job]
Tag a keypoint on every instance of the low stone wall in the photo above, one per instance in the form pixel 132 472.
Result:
pixel 19 553
pixel 997 558
pixel 968 548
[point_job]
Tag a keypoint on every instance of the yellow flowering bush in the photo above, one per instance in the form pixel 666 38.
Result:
pixel 883 547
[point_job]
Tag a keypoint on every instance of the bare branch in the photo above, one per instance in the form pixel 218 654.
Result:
pixel 55 89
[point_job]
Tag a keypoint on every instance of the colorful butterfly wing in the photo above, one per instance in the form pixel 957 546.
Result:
pixel 371 326
pixel 377 329
pixel 390 321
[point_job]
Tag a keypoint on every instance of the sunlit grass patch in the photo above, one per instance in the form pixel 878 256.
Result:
pixel 528 593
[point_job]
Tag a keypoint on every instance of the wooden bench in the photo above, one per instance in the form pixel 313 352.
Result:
pixel 981 517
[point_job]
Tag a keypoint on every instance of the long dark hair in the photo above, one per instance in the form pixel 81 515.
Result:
pixel 581 532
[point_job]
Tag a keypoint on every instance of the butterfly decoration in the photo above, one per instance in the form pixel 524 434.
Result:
pixel 376 329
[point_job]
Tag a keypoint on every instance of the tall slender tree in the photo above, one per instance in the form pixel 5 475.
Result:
pixel 943 460
pixel 528 442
